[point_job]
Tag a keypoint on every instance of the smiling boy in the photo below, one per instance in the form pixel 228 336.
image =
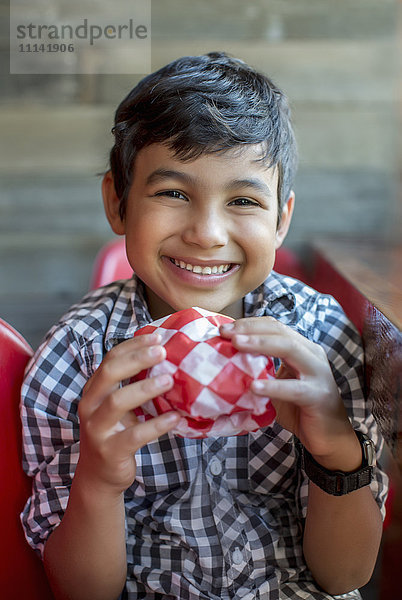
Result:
pixel 200 185
pixel 200 233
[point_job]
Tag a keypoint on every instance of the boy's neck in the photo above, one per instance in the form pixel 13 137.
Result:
pixel 158 308
pixel 234 310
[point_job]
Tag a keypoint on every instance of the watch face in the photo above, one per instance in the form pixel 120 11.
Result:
pixel 369 452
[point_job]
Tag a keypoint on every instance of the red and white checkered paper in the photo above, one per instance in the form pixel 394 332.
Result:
pixel 211 378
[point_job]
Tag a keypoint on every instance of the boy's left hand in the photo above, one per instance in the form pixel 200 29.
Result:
pixel 304 393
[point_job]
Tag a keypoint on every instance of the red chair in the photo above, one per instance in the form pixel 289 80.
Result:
pixel 111 264
pixel 288 263
pixel 21 571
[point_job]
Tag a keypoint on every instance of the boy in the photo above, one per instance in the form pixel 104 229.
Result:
pixel 201 186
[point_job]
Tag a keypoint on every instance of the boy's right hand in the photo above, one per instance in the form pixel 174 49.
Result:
pixel 109 431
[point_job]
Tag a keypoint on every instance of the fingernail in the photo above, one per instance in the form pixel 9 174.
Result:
pixel 155 337
pixel 171 417
pixel 227 327
pixel 242 339
pixel 154 350
pixel 163 379
pixel 257 386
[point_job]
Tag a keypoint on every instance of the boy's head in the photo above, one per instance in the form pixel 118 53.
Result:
pixel 204 104
pixel 200 182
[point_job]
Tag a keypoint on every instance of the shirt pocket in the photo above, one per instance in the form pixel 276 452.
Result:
pixel 272 463
pixel 166 465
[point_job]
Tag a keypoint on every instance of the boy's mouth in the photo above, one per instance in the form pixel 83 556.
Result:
pixel 202 270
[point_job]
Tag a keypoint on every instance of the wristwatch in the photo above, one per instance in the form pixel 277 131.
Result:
pixel 339 483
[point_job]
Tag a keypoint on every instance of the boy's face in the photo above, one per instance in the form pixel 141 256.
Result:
pixel 202 232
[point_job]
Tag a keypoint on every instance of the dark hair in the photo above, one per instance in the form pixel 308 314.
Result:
pixel 204 104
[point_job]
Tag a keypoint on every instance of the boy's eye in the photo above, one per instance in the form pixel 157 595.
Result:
pixel 172 194
pixel 243 202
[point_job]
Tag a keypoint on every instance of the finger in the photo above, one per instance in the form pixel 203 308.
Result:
pixel 117 404
pixel 123 350
pixel 118 366
pixel 133 438
pixel 262 326
pixel 265 326
pixel 250 325
pixel 304 358
pixel 301 392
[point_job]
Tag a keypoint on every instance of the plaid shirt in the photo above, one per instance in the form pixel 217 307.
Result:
pixel 206 518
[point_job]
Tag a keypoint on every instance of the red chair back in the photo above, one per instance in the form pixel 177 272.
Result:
pixel 21 571
pixel 111 264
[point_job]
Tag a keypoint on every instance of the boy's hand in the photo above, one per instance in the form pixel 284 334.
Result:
pixel 304 393
pixel 109 431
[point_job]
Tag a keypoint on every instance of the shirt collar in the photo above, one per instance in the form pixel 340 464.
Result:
pixel 130 311
pixel 273 297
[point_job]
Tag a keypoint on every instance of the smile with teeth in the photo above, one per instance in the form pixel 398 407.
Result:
pixel 215 270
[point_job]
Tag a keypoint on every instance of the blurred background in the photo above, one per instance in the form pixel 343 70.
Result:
pixel 339 63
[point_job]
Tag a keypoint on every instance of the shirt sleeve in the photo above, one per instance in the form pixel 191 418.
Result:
pixel 50 394
pixel 340 339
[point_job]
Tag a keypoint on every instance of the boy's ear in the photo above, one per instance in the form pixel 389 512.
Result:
pixel 111 203
pixel 285 220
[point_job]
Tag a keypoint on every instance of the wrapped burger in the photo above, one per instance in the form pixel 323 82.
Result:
pixel 211 378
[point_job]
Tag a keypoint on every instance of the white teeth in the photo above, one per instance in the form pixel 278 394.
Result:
pixel 201 270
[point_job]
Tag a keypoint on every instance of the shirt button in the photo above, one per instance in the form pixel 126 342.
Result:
pixel 237 556
pixel 215 466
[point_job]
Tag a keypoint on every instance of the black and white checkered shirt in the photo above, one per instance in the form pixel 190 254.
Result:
pixel 205 518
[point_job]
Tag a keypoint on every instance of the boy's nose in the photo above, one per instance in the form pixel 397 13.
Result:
pixel 206 229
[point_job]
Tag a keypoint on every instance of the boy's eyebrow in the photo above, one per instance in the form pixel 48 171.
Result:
pixel 255 184
pixel 161 174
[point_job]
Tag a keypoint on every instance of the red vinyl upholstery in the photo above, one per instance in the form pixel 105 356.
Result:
pixel 111 264
pixel 21 571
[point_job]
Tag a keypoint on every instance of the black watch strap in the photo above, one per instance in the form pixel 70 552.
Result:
pixel 339 483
